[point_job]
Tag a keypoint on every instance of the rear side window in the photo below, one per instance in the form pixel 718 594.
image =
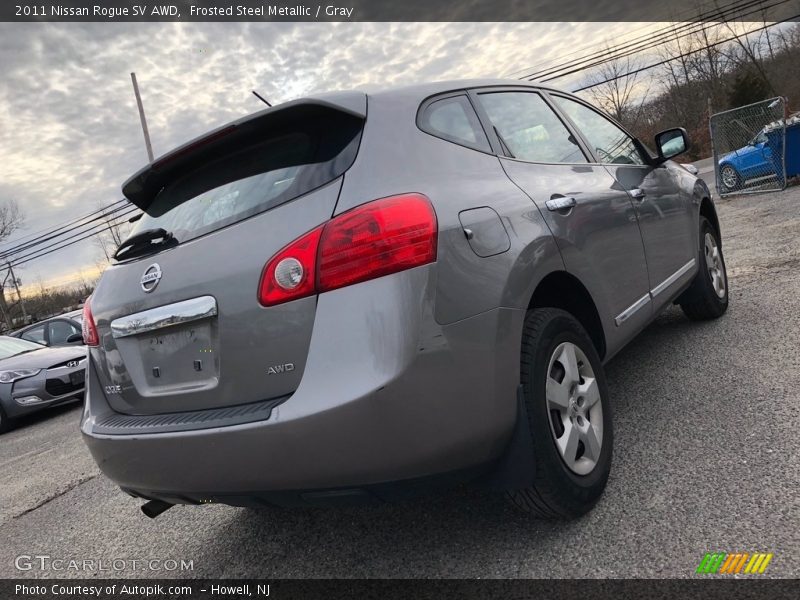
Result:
pixel 454 120
pixel 287 161
pixel 60 331
pixel 529 129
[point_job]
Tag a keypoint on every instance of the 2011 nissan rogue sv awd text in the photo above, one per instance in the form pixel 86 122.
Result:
pixel 352 295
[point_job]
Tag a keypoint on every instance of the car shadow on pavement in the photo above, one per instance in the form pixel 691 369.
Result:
pixel 20 423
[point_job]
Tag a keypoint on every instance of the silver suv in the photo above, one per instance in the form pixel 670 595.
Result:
pixel 353 296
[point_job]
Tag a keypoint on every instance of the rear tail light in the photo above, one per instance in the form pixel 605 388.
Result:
pixel 297 262
pixel 89 329
pixel 375 239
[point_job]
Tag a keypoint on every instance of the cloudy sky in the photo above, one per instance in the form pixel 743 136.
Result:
pixel 69 128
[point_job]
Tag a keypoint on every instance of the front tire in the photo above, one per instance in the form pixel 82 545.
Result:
pixel 5 422
pixel 730 179
pixel 707 297
pixel 569 415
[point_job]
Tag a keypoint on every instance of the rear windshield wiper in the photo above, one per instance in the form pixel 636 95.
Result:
pixel 143 242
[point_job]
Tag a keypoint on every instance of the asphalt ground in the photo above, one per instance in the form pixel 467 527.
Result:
pixel 706 459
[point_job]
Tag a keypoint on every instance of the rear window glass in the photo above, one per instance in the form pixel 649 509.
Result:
pixel 453 119
pixel 281 166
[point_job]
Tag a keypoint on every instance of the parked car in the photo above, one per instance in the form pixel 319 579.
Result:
pixel 324 303
pixel 748 162
pixel 62 330
pixel 34 377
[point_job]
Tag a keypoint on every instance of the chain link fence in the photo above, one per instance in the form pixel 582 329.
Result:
pixel 749 146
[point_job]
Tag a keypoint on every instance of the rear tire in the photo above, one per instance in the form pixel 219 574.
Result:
pixel 569 417
pixel 707 297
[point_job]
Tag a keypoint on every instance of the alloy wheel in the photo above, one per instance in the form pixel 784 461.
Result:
pixel 716 269
pixel 575 408
pixel 729 177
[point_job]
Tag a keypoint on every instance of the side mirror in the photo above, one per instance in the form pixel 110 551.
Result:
pixel 75 338
pixel 671 142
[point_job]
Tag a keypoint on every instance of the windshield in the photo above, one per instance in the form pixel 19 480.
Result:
pixel 12 346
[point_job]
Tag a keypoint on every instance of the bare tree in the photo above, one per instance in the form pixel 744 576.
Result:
pixel 619 91
pixel 12 218
pixel 709 63
pixel 114 232
pixel 749 50
pixel 677 75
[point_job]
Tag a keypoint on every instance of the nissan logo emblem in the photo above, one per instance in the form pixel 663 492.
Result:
pixel 151 277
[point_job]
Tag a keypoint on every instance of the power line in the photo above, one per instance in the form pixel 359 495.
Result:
pixel 93 230
pixel 53 239
pixel 602 60
pixel 651 40
pixel 684 55
pixel 64 234
pixel 652 37
pixel 52 229
pixel 585 47
pixel 50 250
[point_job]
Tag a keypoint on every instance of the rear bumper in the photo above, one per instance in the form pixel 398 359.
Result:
pixel 402 399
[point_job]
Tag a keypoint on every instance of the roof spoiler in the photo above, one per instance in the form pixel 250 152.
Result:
pixel 143 186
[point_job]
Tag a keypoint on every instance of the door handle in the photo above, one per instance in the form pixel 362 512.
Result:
pixel 563 203
pixel 637 194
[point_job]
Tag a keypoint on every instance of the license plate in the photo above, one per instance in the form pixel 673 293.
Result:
pixel 182 355
pixel 77 378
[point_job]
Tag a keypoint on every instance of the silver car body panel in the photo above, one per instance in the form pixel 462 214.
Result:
pixel 407 375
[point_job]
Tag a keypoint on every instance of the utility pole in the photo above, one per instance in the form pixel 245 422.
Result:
pixel 6 319
pixel 19 296
pixel 142 118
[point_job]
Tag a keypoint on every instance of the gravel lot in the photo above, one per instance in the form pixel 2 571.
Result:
pixel 706 459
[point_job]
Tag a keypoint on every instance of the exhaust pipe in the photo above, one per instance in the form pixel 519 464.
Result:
pixel 155 507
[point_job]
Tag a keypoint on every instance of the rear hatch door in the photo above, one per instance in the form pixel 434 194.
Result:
pixel 180 324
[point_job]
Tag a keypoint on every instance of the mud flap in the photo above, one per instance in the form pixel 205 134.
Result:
pixel 516 468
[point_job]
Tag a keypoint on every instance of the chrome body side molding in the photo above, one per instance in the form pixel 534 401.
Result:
pixel 672 279
pixel 632 309
pixel 644 300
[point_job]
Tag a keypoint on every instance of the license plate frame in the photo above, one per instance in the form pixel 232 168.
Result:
pixel 169 356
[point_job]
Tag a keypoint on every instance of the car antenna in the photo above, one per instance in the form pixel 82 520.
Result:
pixel 260 97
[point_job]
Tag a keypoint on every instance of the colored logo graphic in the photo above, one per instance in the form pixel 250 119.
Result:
pixel 741 562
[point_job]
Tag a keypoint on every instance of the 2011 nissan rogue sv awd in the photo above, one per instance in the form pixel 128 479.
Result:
pixel 351 295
